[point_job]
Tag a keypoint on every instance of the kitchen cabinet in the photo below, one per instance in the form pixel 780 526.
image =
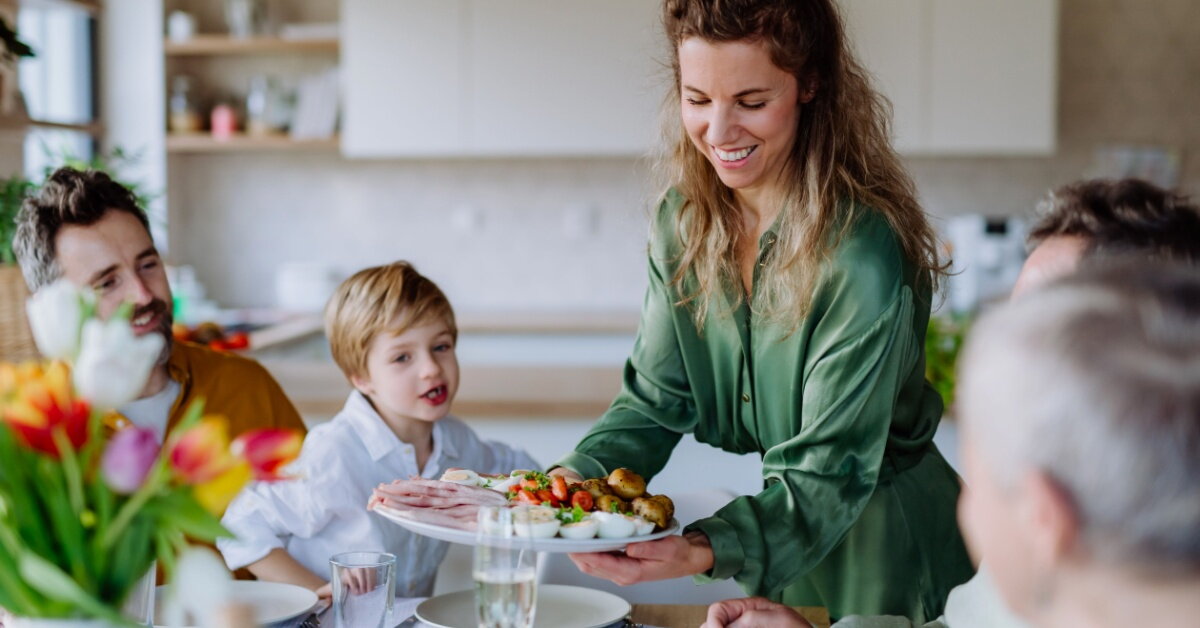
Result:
pixel 964 76
pixel 500 77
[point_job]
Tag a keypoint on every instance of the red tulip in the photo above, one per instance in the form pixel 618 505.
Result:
pixel 268 451
pixel 36 401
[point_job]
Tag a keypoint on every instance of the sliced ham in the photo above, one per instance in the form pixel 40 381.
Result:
pixel 435 502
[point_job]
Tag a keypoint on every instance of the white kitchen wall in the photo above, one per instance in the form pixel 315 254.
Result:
pixel 236 218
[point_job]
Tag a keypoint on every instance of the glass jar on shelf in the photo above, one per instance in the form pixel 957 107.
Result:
pixel 183 117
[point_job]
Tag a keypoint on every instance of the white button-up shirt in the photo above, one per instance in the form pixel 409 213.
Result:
pixel 324 511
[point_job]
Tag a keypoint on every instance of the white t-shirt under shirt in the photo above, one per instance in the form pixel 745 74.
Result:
pixel 324 511
pixel 153 412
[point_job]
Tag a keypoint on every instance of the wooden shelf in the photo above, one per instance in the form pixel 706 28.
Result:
pixel 210 45
pixel 205 143
pixel 8 123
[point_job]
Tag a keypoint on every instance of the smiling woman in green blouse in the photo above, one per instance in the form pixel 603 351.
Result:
pixel 791 274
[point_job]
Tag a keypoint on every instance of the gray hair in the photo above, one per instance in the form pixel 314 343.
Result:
pixel 1095 381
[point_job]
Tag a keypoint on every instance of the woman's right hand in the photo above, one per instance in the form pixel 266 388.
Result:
pixel 570 476
pixel 753 612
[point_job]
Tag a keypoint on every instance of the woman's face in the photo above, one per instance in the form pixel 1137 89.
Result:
pixel 739 109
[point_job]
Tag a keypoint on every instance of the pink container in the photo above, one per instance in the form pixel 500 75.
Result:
pixel 224 122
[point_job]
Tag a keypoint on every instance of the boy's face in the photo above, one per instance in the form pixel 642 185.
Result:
pixel 413 375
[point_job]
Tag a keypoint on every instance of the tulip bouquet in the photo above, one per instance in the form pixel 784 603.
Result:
pixel 85 510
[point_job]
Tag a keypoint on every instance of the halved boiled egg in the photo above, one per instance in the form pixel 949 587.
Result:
pixel 538 522
pixel 504 484
pixel 613 525
pixel 641 527
pixel 462 476
pixel 580 530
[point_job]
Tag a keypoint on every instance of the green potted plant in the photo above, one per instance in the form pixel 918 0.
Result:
pixel 943 341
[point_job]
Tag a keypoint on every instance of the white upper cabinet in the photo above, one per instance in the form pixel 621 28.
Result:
pixel 581 77
pixel 500 77
pixel 965 77
pixel 404 89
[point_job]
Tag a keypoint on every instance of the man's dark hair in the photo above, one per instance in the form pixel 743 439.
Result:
pixel 68 197
pixel 1122 218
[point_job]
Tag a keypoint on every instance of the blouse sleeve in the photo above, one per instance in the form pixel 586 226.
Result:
pixel 655 394
pixel 818 482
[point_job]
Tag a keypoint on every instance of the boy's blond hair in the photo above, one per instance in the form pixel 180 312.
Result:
pixel 382 299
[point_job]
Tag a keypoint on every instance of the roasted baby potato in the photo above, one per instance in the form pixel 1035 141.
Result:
pixel 597 487
pixel 666 502
pixel 652 510
pixel 605 504
pixel 626 484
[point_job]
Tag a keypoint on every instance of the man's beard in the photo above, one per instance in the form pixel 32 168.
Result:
pixel 165 320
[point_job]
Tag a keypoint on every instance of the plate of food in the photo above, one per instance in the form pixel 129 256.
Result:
pixel 596 515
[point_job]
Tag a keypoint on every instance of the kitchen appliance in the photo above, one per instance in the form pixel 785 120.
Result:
pixel 988 253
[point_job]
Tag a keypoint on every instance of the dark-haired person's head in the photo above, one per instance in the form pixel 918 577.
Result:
pixel 1101 220
pixel 85 227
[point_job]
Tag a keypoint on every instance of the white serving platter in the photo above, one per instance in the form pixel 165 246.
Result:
pixel 555 544
pixel 558 606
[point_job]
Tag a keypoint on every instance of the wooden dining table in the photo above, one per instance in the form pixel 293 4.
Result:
pixel 692 615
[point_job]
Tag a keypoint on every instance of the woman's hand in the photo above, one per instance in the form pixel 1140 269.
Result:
pixel 325 590
pixel 753 612
pixel 670 557
pixel 570 476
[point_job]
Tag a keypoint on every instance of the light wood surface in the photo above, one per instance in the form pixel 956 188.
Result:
pixel 225 45
pixel 320 389
pixel 690 616
pixel 206 143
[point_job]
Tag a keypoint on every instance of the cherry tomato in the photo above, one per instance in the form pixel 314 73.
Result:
pixel 583 499
pixel 238 340
pixel 218 345
pixel 529 483
pixel 559 488
pixel 527 497
pixel 548 497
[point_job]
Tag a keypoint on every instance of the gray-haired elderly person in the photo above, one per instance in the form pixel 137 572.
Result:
pixel 1081 440
pixel 1081 407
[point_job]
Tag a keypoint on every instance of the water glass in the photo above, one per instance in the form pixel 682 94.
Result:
pixel 139 605
pixel 505 572
pixel 364 589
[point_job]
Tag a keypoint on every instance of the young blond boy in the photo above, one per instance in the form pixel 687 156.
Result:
pixel 392 332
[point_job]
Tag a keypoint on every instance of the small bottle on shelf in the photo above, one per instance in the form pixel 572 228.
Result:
pixel 183 115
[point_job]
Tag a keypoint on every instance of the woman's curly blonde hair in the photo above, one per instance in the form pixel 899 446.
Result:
pixel 842 162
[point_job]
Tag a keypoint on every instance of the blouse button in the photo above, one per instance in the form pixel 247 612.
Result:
pixel 746 397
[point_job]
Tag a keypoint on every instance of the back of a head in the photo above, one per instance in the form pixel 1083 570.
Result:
pixel 1095 381
pixel 68 197
pixel 1122 218
pixel 381 299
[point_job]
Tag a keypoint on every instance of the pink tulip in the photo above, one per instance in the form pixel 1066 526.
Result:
pixel 128 458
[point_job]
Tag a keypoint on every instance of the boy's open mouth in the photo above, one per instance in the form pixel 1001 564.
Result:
pixel 436 395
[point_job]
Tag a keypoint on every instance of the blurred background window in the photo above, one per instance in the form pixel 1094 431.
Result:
pixel 59 83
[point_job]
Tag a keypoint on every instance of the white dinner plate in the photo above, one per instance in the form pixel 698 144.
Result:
pixel 273 602
pixel 554 544
pixel 558 606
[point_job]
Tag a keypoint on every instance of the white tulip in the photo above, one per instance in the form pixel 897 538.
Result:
pixel 202 586
pixel 55 317
pixel 114 364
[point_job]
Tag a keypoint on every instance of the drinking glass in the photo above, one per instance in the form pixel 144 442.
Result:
pixel 139 605
pixel 505 572
pixel 364 589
